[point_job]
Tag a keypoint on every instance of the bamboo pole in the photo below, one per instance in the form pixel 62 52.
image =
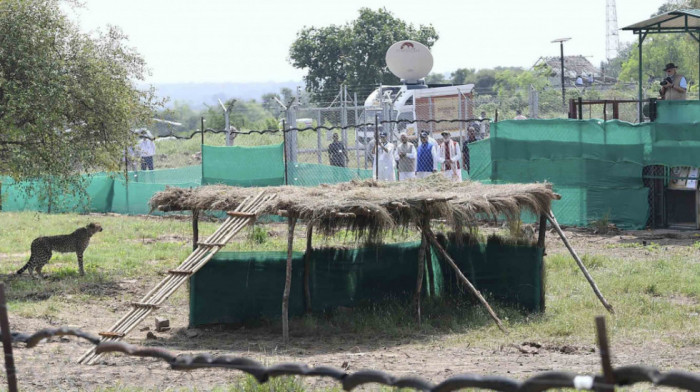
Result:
pixel 195 228
pixel 597 292
pixel 307 267
pixel 288 280
pixel 431 237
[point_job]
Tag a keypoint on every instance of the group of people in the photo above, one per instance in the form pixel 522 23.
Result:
pixel 430 156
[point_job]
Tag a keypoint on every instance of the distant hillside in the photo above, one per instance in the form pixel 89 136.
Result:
pixel 198 94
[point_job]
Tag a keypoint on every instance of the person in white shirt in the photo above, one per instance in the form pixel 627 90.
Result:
pixel 384 160
pixel 450 155
pixel 406 158
pixel 146 149
pixel 519 115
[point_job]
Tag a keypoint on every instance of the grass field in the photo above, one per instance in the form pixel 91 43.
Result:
pixel 655 289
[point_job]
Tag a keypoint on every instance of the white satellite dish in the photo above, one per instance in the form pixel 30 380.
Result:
pixel 409 60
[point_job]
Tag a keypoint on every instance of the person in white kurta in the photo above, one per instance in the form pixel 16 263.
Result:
pixel 450 155
pixel 405 156
pixel 385 160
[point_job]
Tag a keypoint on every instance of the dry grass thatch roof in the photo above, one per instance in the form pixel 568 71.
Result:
pixel 370 208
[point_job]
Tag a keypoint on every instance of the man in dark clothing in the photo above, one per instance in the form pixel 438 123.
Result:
pixel 337 154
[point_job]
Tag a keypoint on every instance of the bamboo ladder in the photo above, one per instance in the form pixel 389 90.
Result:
pixel 237 220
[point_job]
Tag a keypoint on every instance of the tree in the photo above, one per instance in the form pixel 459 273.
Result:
pixel 354 53
pixel 435 78
pixel 67 99
pixel 463 76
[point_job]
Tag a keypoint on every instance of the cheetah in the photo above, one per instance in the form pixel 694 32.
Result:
pixel 42 248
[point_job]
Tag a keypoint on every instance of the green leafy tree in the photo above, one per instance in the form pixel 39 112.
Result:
pixel 463 76
pixel 354 53
pixel 436 78
pixel 67 99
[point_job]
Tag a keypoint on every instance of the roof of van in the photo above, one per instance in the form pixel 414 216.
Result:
pixel 438 91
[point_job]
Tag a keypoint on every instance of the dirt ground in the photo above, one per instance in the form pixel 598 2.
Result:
pixel 52 366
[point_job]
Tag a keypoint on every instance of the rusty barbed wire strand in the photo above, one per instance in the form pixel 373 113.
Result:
pixel 624 376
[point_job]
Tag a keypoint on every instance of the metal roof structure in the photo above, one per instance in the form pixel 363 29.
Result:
pixel 673 22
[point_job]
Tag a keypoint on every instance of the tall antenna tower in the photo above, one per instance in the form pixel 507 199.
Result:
pixel 612 37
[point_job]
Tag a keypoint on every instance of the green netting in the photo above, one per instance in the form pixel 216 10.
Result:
pixel 243 166
pixel 32 196
pixel 132 198
pixel 168 176
pixel 596 165
pixel 674 112
pixel 312 174
pixel 241 287
pixel 479 161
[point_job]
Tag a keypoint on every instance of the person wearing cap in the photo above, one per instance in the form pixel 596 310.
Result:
pixel 427 156
pixel 146 149
pixel 406 158
pixel 674 86
pixel 449 153
pixel 383 164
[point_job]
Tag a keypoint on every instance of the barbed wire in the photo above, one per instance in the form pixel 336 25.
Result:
pixel 317 128
pixel 623 376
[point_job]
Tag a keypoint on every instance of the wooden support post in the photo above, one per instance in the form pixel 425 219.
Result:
pixel 7 342
pixel 292 221
pixel 554 223
pixel 419 279
pixel 307 268
pixel 431 238
pixel 541 244
pixel 542 231
pixel 604 350
pixel 195 228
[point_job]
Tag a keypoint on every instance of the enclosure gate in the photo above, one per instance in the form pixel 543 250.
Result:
pixel 237 220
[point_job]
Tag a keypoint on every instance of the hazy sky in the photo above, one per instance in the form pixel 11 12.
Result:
pixel 248 41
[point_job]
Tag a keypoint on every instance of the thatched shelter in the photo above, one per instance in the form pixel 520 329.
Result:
pixel 370 209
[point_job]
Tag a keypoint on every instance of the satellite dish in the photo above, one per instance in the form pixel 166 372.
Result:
pixel 409 60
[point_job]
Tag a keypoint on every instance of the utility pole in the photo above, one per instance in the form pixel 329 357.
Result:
pixel 563 88
pixel 227 120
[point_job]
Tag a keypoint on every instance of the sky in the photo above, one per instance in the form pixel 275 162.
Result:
pixel 219 41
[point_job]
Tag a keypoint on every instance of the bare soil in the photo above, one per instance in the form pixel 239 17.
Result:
pixel 52 366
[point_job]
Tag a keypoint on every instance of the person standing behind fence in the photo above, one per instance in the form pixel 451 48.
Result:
pixel 674 87
pixel 449 157
pixel 472 136
pixel 384 160
pixel 427 157
pixel 147 149
pixel 406 157
pixel 519 115
pixel 337 153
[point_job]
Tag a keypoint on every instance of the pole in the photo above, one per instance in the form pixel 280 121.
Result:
pixel 227 123
pixel 292 221
pixel 7 342
pixel 284 150
pixel 639 104
pixel 376 147
pixel 553 221
pixel 202 130
pixel 563 89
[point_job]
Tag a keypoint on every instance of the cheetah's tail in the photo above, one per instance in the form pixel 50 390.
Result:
pixel 19 271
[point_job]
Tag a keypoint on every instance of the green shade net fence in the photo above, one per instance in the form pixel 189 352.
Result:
pixel 240 287
pixel 595 165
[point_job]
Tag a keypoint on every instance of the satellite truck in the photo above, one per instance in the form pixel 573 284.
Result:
pixel 413 100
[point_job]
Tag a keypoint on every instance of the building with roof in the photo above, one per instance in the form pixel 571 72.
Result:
pixel 574 66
